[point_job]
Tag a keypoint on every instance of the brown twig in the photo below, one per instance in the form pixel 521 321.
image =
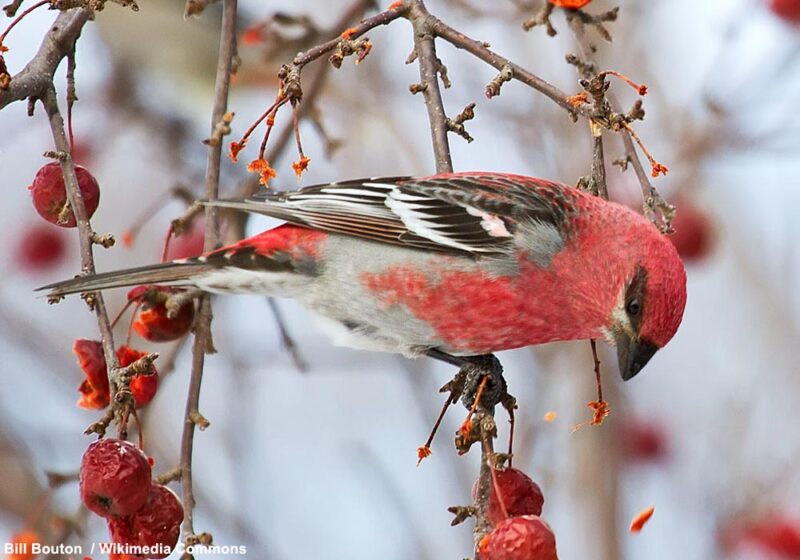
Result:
pixel 483 52
pixel 86 239
pixel 366 25
pixel 37 76
pixel 488 430
pixel 429 69
pixel 656 208
pixel 203 342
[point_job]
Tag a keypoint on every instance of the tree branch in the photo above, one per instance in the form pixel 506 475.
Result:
pixel 429 69
pixel 203 340
pixel 653 202
pixel 37 76
pixel 314 53
pixel 484 53
pixel 85 233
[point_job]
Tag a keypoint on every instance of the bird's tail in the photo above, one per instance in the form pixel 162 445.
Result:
pixel 178 273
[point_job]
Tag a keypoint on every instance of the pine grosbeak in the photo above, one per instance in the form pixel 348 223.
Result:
pixel 453 265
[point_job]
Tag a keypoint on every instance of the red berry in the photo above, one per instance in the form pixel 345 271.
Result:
pixel 786 9
pixel 41 247
pixel 188 244
pixel 152 322
pixel 520 538
pixel 157 523
pixel 94 389
pixel 144 385
pixel 114 478
pixel 572 4
pixel 693 231
pixel 22 545
pixel 643 441
pixel 122 534
pixel 50 195
pixel 518 493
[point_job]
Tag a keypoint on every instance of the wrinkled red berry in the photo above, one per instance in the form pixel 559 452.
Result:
pixel 694 234
pixel 151 321
pixel 114 478
pixel 158 522
pixel 518 495
pixel 40 247
pixel 94 389
pixel 122 534
pixel 520 538
pixel 50 195
pixel 786 9
pixel 188 244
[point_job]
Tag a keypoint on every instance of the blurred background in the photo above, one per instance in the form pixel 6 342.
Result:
pixel 319 461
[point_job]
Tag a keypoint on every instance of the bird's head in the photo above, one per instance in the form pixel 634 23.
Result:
pixel 650 304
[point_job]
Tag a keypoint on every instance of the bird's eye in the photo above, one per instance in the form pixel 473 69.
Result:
pixel 634 307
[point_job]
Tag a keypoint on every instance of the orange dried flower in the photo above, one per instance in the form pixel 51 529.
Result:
pixel 236 147
pixel 423 452
pixel 466 428
pixel 300 166
pixel 571 4
pixel 395 5
pixel 578 99
pixel 550 416
pixel 659 169
pixel 263 168
pixel 643 517
pixel 349 32
pixel 601 410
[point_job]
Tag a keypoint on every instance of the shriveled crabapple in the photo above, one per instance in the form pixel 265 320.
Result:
pixel 157 524
pixel 513 493
pixel 188 243
pixel 50 194
pixel 152 322
pixel 788 10
pixel 694 231
pixel 525 537
pixel 114 478
pixel 95 388
pixel 144 385
pixel 40 247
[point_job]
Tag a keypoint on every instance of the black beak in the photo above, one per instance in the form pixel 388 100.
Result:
pixel 633 354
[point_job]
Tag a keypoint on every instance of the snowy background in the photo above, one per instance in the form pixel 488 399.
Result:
pixel 322 464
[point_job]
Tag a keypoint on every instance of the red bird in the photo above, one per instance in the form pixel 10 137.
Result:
pixel 454 266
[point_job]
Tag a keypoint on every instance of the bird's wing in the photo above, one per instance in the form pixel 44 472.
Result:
pixel 476 213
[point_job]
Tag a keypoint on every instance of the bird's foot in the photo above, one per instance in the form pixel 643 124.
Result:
pixel 483 382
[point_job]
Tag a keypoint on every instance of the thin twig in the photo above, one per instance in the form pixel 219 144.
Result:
pixel 366 25
pixel 85 235
pixel 37 76
pixel 429 68
pixel 202 341
pixel 483 52
pixel 653 202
